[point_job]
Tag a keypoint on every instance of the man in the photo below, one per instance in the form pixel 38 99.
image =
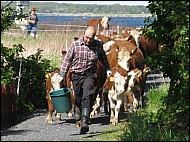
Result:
pixel 82 58
pixel 32 22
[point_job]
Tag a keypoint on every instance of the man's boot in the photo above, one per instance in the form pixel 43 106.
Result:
pixel 77 114
pixel 84 121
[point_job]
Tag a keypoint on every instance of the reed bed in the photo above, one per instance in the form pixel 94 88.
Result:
pixel 52 43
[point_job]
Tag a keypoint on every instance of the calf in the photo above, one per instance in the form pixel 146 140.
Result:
pixel 53 82
pixel 116 93
pixel 135 89
pixel 101 78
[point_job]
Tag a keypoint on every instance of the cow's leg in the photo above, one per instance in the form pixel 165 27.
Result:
pixel 140 99
pixel 135 103
pixel 105 98
pixel 58 117
pixel 125 103
pixel 117 110
pixel 69 113
pixel 130 100
pixel 50 110
pixel 96 106
pixel 112 108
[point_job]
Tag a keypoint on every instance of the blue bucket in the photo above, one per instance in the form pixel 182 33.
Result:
pixel 61 100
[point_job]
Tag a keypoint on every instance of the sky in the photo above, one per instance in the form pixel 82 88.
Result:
pixel 144 3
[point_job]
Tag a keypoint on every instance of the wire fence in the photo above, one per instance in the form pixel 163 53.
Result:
pixel 58 28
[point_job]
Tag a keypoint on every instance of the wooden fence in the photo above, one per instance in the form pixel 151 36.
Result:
pixel 8 106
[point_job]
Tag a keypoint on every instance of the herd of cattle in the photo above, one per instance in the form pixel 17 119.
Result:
pixel 126 54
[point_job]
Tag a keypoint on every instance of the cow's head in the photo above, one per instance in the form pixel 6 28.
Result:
pixel 55 79
pixel 119 83
pixel 134 76
pixel 136 34
pixel 124 57
pixel 104 22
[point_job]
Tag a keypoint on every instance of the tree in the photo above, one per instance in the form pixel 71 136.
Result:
pixel 170 28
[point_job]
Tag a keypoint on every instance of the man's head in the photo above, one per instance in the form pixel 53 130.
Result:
pixel 33 10
pixel 89 34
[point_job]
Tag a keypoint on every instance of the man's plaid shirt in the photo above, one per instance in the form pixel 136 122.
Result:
pixel 83 59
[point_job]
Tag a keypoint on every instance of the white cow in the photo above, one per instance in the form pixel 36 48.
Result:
pixel 117 94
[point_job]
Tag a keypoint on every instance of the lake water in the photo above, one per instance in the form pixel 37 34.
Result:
pixel 121 21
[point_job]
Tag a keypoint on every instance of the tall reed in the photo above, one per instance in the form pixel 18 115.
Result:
pixel 52 43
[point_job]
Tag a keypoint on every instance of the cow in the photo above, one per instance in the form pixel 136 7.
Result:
pixel 127 56
pixel 136 59
pixel 136 33
pixel 116 92
pixel 102 38
pixel 101 78
pixel 101 24
pixel 136 85
pixel 53 82
pixel 148 46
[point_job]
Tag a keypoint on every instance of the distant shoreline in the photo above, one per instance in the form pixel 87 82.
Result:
pixel 90 14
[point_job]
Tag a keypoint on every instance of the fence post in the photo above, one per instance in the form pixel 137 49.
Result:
pixel 66 44
pixel 98 29
pixel 117 29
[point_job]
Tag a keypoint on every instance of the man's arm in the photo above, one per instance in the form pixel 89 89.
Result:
pixel 104 60
pixel 67 60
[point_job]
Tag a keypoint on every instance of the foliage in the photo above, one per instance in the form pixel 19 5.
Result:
pixel 31 93
pixel 171 29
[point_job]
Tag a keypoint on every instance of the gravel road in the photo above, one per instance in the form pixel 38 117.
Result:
pixel 35 127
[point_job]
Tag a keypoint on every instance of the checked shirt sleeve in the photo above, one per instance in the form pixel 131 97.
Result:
pixel 68 59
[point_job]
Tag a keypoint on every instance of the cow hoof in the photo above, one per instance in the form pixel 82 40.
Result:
pixel 115 122
pixel 69 114
pixel 92 114
pixel 111 120
pixel 77 124
pixel 49 120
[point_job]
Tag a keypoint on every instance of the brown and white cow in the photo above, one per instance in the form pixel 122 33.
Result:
pixel 126 55
pixel 102 38
pixel 135 89
pixel 53 82
pixel 101 78
pixel 136 33
pixel 101 24
pixel 116 85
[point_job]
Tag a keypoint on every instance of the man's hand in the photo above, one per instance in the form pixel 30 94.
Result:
pixel 109 73
pixel 63 74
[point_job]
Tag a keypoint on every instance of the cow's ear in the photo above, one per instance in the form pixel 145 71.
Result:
pixel 48 75
pixel 126 78
pixel 130 73
pixel 109 18
pixel 139 73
